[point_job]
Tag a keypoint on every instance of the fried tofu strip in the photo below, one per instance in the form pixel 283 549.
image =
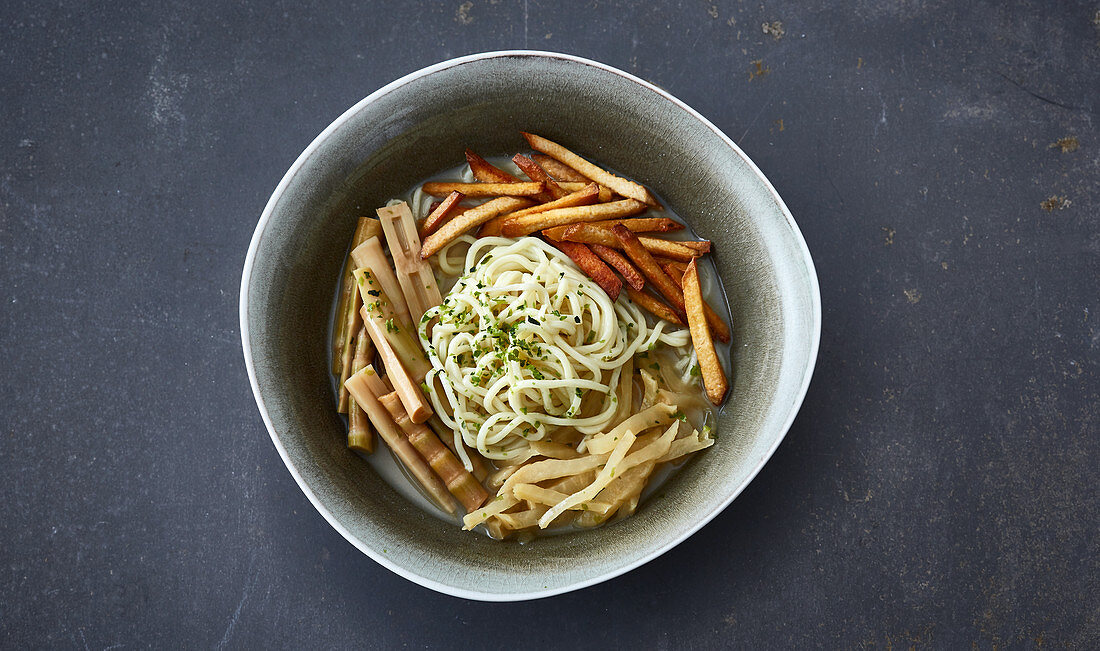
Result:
pixel 475 216
pixel 673 268
pixel 591 234
pixel 596 173
pixel 519 226
pixel 367 387
pixel 536 173
pixel 640 256
pixel 654 306
pixel 583 197
pixel 644 224
pixel 629 272
pixel 593 266
pixel 440 214
pixel 675 249
pixel 520 189
pixel 559 170
pixel 636 225
pixel 675 271
pixel 714 379
pixel 702 246
pixel 570 186
pixel 485 171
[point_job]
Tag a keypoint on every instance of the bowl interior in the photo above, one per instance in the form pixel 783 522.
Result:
pixel 421 125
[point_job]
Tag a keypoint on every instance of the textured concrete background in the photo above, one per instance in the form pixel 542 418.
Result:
pixel 938 489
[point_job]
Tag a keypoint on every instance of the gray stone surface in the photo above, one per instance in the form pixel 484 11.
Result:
pixel 938 488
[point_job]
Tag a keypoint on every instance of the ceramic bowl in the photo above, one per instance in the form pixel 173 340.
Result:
pixel 419 125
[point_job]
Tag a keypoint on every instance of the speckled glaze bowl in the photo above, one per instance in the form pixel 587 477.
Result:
pixel 420 124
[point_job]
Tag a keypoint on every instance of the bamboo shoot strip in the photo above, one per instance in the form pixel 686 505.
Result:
pixel 439 214
pixel 366 228
pixel 485 171
pixel 447 435
pixel 353 322
pixel 388 337
pixel 365 390
pixel 413 273
pixel 596 173
pixel 359 433
pixel 402 339
pixel 466 489
pixel 369 255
